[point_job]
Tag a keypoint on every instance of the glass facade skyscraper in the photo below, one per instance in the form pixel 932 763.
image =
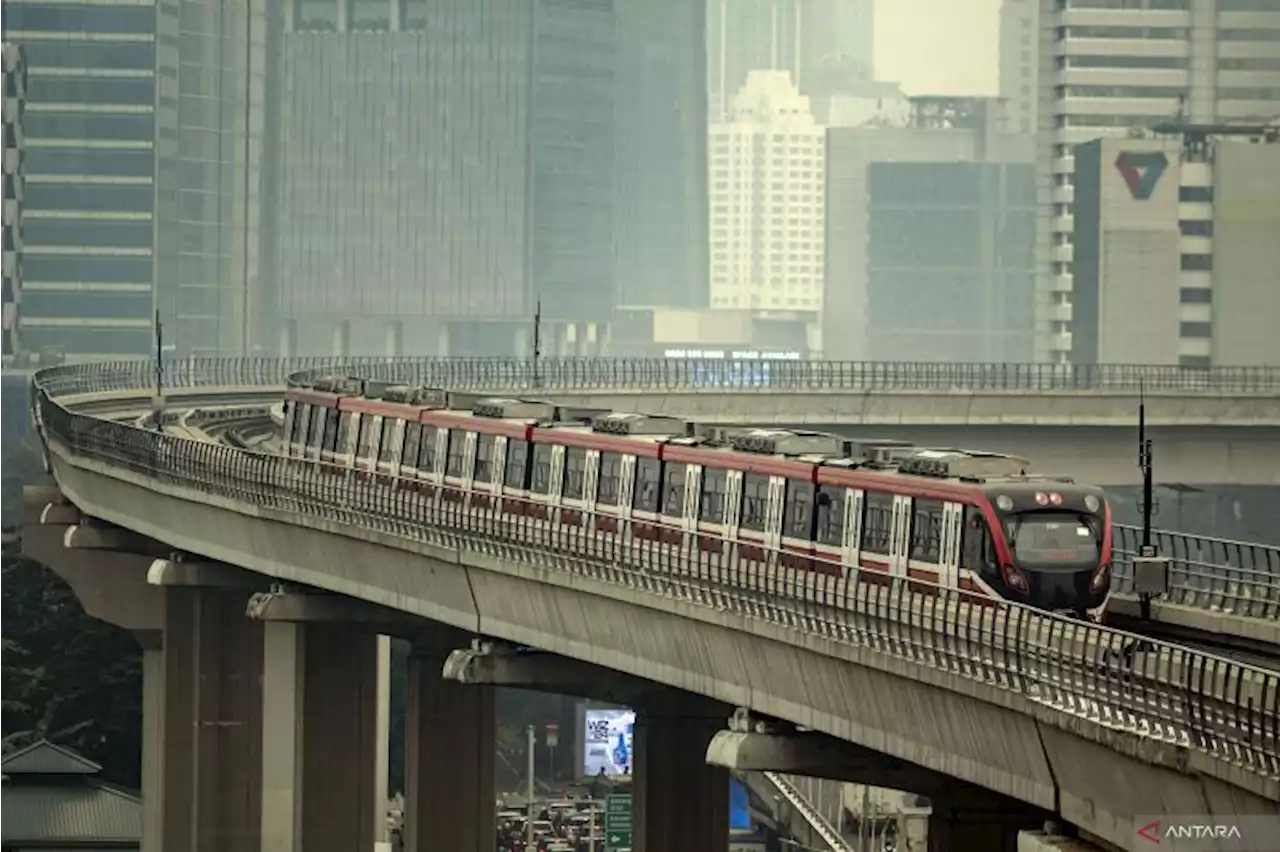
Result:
pixel 87 219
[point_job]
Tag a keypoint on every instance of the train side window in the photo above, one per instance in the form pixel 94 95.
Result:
pixel 345 419
pixel 715 487
pixel 609 479
pixel 364 442
pixel 755 501
pixel 926 531
pixel 455 452
pixel 877 523
pixel 412 435
pixel 317 426
pixel 427 449
pixel 517 463
pixel 386 446
pixel 332 421
pixel 979 549
pixel 540 480
pixel 830 517
pixel 797 515
pixel 648 485
pixel 484 458
pixel 673 490
pixel 300 423
pixel 575 473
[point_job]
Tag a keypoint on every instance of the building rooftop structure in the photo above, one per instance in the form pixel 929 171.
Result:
pixel 53 798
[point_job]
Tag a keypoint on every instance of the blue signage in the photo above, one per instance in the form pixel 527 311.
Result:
pixel 739 807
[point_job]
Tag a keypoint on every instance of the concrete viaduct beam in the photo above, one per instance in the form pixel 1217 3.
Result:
pixel 964 815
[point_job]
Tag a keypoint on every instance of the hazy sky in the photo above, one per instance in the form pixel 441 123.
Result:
pixel 938 46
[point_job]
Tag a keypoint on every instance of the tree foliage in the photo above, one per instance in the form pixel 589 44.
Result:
pixel 66 677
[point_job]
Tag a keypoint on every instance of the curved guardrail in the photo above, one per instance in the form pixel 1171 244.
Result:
pixel 772 375
pixel 689 374
pixel 1118 680
pixel 1218 575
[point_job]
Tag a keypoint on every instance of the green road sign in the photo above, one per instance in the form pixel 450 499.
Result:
pixel 617 823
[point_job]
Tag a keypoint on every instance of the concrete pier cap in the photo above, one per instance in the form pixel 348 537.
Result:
pixel 754 744
pixel 282 603
pixel 489 663
pixel 178 571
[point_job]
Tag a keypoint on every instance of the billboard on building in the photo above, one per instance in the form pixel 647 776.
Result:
pixel 739 807
pixel 608 739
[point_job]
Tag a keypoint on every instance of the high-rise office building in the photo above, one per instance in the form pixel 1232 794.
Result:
pixel 1175 250
pixel 767 207
pixel 440 167
pixel 88 273
pixel 212 85
pixel 660 162
pixel 930 237
pixel 15 90
pixel 144 125
pixel 1106 67
pixel 826 45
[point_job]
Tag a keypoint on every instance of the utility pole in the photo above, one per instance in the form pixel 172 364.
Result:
pixel 157 404
pixel 591 824
pixel 528 822
pixel 537 343
pixel 1150 572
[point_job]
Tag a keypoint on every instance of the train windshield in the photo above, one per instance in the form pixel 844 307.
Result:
pixel 1049 540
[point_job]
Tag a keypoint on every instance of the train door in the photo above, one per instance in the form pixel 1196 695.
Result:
pixel 692 491
pixel 626 493
pixel 900 536
pixel 949 550
pixel 436 474
pixel 589 478
pixel 499 477
pixel 732 504
pixel 468 460
pixel 849 545
pixel 370 459
pixel 395 454
pixel 345 446
pixel 773 518
pixel 557 478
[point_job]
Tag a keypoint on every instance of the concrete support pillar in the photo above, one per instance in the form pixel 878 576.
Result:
pixel 283 728
pixel 973 818
pixel 212 736
pixel 323 737
pixel 681 803
pixel 153 713
pixel 449 761
pixel 340 811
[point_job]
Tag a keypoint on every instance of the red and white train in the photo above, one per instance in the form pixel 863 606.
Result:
pixel 962 519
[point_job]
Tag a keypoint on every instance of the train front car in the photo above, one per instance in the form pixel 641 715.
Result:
pixel 1058 543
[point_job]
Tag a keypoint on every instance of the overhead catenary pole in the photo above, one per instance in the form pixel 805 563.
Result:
pixel 158 402
pixel 1144 465
pixel 528 822
pixel 537 343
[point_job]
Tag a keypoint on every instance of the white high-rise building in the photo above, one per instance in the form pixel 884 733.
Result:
pixel 1105 68
pixel 766 180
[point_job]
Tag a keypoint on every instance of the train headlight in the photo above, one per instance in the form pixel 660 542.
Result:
pixel 1055 498
pixel 1004 503
pixel 1091 503
pixel 1014 579
pixel 1101 578
pixel 1042 498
